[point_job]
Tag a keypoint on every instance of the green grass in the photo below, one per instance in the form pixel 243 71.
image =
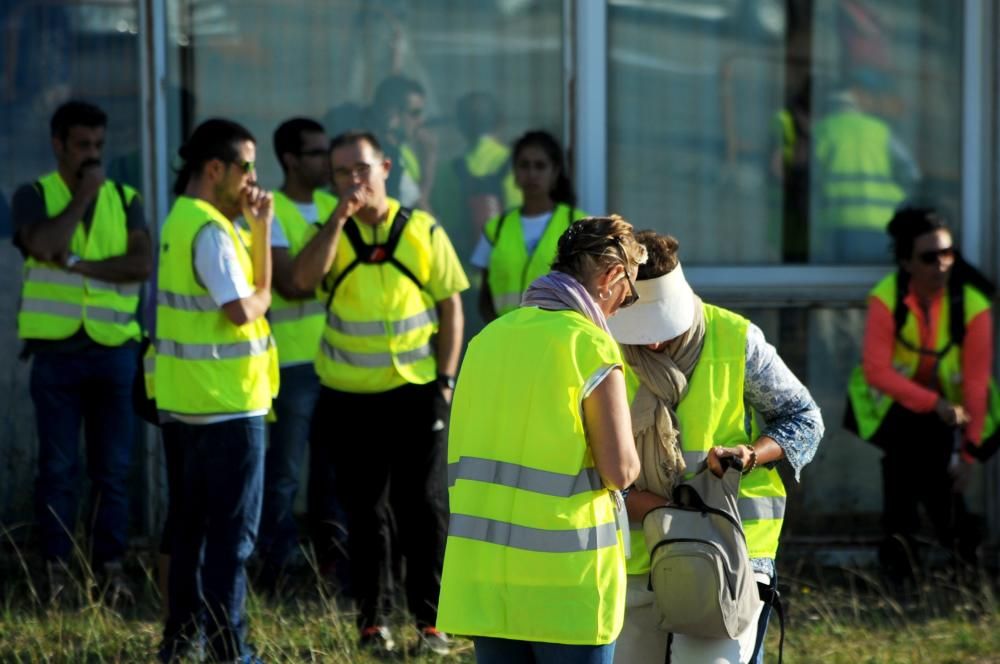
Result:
pixel 843 616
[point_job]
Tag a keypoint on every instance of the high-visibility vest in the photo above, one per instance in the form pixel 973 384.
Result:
pixel 870 406
pixel 297 324
pixel 380 320
pixel 712 413
pixel 410 163
pixel 511 269
pixel 204 364
pixel 486 169
pixel 56 302
pixel 534 551
pixel 852 152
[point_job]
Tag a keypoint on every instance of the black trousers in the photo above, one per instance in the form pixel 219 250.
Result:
pixel 914 474
pixel 392 470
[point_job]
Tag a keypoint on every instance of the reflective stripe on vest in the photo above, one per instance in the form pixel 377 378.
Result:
pixel 858 190
pixel 525 478
pixel 297 325
pixel 871 406
pixel 713 412
pixel 380 325
pixel 204 363
pixel 511 269
pixel 54 302
pixel 534 551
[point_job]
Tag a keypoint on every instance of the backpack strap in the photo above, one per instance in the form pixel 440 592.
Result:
pixel 771 598
pixel 374 254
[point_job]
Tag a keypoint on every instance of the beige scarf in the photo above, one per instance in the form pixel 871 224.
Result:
pixel 664 378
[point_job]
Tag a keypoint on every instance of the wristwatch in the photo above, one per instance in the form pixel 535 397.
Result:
pixel 71 260
pixel 446 381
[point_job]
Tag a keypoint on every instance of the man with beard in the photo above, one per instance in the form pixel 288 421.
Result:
pixel 216 372
pixel 87 252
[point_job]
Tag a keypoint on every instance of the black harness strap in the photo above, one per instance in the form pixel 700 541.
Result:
pixel 375 254
pixel 956 315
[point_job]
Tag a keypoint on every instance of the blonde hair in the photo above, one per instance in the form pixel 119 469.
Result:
pixel 593 245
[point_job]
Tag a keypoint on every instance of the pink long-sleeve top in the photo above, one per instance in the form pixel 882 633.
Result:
pixel 916 394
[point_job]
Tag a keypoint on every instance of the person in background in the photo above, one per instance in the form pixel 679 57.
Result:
pixel 398 118
pixel 540 445
pixel 87 252
pixel 923 392
pixel 391 284
pixel 700 377
pixel 215 375
pixel 860 171
pixel 296 317
pixel 518 246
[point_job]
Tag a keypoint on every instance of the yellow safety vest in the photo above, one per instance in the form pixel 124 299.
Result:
pixel 871 406
pixel 713 412
pixel 56 302
pixel 380 321
pixel 511 269
pixel 487 165
pixel 533 552
pixel 297 324
pixel 853 152
pixel 204 364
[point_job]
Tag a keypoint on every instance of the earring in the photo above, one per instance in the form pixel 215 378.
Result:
pixel 604 295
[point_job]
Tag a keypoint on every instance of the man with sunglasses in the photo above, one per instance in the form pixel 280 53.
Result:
pixel 302 149
pixel 87 252
pixel 923 392
pixel 390 281
pixel 216 373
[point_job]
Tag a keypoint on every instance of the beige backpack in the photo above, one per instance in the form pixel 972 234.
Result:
pixel 699 566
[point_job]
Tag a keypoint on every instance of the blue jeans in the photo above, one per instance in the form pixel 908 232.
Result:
pixel 93 389
pixel 501 651
pixel 217 511
pixel 288 439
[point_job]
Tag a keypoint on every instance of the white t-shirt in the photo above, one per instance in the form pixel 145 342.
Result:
pixel 309 212
pixel 532 226
pixel 219 270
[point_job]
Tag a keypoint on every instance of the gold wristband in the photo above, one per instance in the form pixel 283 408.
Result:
pixel 753 458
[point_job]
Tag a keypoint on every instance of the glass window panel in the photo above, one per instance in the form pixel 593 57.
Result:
pixel 792 139
pixel 51 52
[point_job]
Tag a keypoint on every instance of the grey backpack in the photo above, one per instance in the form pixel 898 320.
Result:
pixel 699 566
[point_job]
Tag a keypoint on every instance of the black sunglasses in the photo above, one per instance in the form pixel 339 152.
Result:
pixel 633 296
pixel 318 152
pixel 932 256
pixel 246 166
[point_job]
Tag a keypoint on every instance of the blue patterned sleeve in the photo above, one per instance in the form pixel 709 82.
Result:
pixel 791 416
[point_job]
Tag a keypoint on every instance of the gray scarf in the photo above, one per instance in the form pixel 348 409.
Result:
pixel 664 379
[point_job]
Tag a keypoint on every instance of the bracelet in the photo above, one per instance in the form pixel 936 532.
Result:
pixel 753 458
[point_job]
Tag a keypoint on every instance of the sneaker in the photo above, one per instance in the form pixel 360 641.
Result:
pixel 117 586
pixel 377 640
pixel 59 580
pixel 433 640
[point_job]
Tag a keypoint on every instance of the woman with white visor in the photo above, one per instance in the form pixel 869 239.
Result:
pixel 701 379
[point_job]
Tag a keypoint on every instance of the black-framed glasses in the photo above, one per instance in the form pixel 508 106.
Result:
pixel 633 295
pixel 318 152
pixel 932 256
pixel 362 171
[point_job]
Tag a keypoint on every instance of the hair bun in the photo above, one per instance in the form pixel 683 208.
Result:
pixel 184 152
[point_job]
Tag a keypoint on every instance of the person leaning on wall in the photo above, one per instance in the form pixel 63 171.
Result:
pixel 923 392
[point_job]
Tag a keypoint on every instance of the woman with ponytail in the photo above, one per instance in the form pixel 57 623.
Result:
pixel 519 245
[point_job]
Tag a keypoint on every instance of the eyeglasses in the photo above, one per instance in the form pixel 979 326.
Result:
pixel 318 152
pixel 633 296
pixel 362 171
pixel 246 166
pixel 933 256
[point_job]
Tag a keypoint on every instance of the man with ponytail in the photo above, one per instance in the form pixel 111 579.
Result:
pixel 216 372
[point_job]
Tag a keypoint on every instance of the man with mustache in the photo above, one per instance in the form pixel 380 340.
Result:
pixel 87 251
